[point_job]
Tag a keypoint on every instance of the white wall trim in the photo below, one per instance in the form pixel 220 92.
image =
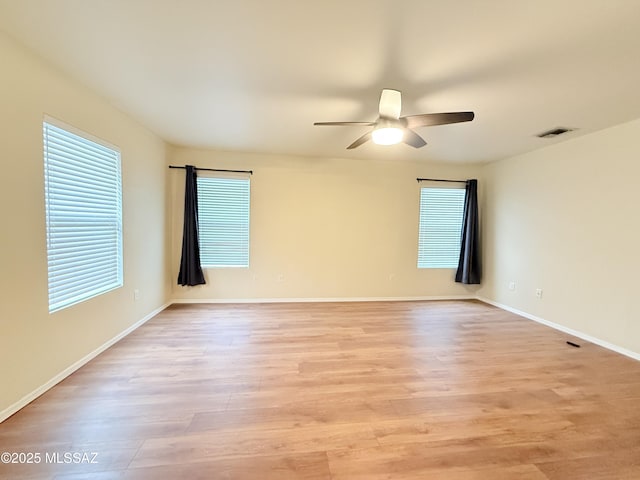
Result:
pixel 24 401
pixel 562 328
pixel 322 299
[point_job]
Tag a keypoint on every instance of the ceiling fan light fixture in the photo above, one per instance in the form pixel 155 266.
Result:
pixel 387 135
pixel 390 128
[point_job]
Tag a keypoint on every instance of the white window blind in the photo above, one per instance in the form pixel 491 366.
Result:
pixel 83 203
pixel 441 212
pixel 223 221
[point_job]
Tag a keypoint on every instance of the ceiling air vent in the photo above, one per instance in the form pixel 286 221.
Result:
pixel 554 132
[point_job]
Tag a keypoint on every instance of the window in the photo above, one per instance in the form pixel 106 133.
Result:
pixel 83 204
pixel 223 221
pixel 441 212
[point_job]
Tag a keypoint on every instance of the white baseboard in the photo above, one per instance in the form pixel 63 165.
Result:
pixel 24 401
pixel 322 299
pixel 562 328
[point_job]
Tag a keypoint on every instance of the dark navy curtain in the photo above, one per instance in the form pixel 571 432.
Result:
pixel 190 268
pixel 469 263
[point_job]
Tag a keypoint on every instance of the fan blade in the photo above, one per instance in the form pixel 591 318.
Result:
pixel 364 138
pixel 390 104
pixel 366 124
pixel 429 119
pixel 413 139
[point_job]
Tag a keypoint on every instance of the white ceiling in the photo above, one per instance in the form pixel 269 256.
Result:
pixel 253 75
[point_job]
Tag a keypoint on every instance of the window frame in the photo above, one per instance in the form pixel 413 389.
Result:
pixel 69 149
pixel 424 261
pixel 244 241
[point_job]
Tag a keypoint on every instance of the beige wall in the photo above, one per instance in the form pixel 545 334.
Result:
pixel 565 219
pixel 34 345
pixel 322 228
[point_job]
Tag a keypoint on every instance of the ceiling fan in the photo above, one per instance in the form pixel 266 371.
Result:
pixel 390 128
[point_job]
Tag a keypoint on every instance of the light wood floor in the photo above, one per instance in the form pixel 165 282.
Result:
pixel 390 390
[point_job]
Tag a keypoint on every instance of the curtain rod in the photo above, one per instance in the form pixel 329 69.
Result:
pixel 250 172
pixel 439 180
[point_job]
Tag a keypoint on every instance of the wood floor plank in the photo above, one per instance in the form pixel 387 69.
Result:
pixel 379 390
pixel 311 466
pixel 252 442
pixel 609 467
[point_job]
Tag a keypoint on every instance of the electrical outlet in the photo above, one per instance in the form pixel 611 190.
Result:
pixel 539 292
pixel 512 286
pixel 136 294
